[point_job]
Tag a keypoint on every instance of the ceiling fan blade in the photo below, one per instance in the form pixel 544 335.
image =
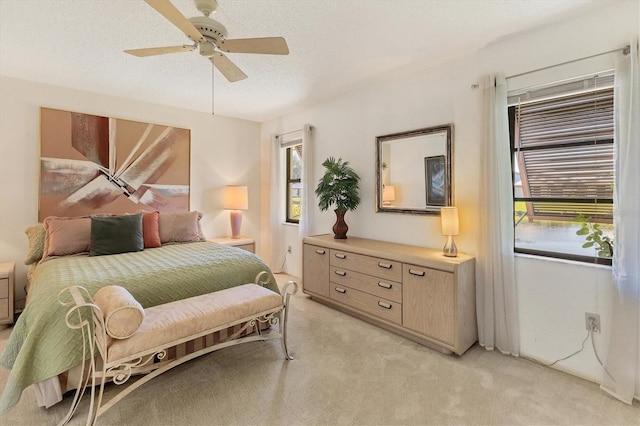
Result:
pixel 266 45
pixel 230 70
pixel 170 12
pixel 153 51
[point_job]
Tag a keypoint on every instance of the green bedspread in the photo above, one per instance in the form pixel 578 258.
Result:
pixel 41 346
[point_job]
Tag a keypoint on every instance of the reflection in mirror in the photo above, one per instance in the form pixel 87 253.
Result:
pixel 414 171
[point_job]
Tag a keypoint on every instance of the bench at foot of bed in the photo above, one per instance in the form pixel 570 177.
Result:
pixel 163 327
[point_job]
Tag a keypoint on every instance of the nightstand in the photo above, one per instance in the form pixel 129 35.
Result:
pixel 7 274
pixel 244 243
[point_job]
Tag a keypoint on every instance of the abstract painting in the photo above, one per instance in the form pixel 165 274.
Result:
pixel 91 164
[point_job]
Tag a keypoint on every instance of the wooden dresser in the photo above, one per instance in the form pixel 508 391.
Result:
pixel 413 291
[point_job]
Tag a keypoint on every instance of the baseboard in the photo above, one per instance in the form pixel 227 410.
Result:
pixel 571 371
pixel 558 367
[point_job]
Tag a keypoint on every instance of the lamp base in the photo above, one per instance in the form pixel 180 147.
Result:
pixel 236 222
pixel 450 249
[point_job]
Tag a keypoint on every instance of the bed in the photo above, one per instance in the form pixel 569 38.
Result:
pixel 41 347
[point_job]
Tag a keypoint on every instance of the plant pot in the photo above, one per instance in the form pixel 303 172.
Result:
pixel 340 228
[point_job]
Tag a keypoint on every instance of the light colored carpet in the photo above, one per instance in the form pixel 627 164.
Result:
pixel 348 372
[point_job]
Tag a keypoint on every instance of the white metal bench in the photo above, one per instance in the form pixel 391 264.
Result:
pixel 145 352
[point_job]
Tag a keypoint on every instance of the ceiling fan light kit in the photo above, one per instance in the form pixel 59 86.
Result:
pixel 210 36
pixel 207 49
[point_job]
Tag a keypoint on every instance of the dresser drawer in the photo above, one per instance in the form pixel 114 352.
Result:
pixel 4 288
pixel 315 270
pixel 378 267
pixel 247 247
pixel 4 309
pixel 381 308
pixel 386 289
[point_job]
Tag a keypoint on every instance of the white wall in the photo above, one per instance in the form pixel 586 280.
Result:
pixel 552 296
pixel 223 151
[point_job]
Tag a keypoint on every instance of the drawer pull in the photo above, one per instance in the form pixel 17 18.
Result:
pixel 384 305
pixel 416 273
pixel 341 256
pixel 320 251
pixel 385 265
pixel 341 273
pixel 385 285
pixel 340 290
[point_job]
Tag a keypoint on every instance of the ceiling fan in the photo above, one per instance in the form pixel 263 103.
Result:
pixel 210 36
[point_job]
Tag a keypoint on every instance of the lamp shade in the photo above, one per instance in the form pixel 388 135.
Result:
pixel 388 193
pixel 449 220
pixel 236 197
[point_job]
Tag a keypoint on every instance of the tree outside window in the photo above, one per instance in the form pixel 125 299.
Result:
pixel 294 183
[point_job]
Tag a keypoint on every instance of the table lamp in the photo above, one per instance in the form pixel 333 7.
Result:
pixel 236 198
pixel 388 195
pixel 449 222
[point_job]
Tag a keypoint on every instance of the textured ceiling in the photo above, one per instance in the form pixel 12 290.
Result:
pixel 334 45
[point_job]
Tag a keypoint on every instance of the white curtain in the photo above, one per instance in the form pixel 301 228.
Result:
pixel 623 359
pixel 282 141
pixel 496 289
pixel 307 182
pixel 278 192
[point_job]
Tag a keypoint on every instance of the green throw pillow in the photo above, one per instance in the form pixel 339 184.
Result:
pixel 116 234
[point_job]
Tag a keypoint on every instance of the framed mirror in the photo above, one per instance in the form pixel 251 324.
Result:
pixel 414 169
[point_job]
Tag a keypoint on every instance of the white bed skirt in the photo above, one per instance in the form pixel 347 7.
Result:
pixel 48 392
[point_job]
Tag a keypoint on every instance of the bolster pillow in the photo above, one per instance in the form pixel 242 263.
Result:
pixel 122 313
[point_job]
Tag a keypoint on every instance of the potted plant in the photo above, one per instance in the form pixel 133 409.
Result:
pixel 595 236
pixel 338 187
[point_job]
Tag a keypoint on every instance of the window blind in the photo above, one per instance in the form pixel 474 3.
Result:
pixel 564 150
pixel 290 138
pixel 583 117
pixel 603 80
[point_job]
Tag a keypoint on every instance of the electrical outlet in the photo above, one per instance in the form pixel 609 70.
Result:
pixel 289 249
pixel 592 322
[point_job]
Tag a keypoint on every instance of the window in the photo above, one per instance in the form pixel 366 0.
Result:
pixel 294 182
pixel 562 161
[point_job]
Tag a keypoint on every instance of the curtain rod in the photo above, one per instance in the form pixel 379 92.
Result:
pixel 294 131
pixel 288 133
pixel 625 51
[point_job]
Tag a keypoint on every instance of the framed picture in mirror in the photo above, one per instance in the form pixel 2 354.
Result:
pixel 434 171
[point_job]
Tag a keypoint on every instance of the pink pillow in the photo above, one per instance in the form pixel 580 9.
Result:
pixel 151 230
pixel 180 227
pixel 66 236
